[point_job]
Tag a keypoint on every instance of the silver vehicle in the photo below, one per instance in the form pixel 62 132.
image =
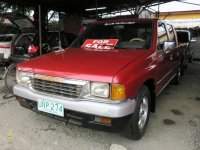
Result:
pixel 5 46
pixel 184 40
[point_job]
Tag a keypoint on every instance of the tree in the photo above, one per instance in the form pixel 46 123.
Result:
pixel 8 7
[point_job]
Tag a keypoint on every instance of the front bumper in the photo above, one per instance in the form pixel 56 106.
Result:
pixel 109 110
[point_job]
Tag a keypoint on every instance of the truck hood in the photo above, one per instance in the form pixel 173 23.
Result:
pixel 81 64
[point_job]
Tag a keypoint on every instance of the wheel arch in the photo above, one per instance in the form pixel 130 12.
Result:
pixel 150 83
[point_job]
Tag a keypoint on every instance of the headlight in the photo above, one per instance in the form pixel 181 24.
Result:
pixel 23 77
pixel 100 89
pixel 114 92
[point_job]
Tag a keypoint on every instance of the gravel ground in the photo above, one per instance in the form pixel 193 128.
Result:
pixel 174 126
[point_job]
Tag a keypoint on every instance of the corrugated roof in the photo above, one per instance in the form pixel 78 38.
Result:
pixel 78 6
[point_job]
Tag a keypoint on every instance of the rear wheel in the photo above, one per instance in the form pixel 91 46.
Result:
pixel 182 70
pixel 191 59
pixel 176 79
pixel 137 124
pixel 186 65
pixel 10 77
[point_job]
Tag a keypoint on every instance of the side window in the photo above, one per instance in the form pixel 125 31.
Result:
pixel 171 33
pixel 162 36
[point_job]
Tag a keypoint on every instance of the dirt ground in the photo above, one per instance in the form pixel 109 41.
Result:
pixel 174 126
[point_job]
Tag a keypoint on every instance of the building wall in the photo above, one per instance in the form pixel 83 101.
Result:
pixel 184 19
pixel 147 14
pixel 181 16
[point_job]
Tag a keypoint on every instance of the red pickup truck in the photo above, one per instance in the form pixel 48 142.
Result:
pixel 109 77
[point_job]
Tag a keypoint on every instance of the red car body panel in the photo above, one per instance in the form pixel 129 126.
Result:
pixel 129 67
pixel 81 64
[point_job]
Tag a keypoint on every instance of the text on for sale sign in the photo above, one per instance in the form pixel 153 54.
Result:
pixel 106 44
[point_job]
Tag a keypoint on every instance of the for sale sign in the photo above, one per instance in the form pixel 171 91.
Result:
pixel 100 44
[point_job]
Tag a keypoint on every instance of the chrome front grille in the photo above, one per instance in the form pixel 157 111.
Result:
pixel 57 88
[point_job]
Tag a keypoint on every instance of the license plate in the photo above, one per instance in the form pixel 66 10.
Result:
pixel 50 107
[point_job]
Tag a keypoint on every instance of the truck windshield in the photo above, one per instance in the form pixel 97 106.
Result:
pixel 129 35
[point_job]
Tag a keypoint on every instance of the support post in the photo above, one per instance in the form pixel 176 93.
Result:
pixel 96 8
pixel 158 9
pixel 40 29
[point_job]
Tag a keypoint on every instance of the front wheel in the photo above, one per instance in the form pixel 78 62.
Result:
pixel 137 124
pixel 10 78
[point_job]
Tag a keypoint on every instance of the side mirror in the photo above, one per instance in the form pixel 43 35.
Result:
pixel 168 46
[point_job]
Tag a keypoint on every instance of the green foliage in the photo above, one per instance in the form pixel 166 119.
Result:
pixel 8 7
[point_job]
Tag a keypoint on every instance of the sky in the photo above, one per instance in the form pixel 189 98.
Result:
pixel 174 6
pixel 178 6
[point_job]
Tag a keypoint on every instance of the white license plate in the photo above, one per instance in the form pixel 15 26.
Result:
pixel 50 107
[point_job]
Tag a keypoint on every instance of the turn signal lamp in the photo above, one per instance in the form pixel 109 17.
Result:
pixel 103 120
pixel 118 92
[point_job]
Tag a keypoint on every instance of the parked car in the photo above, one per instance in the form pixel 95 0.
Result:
pixel 21 44
pixel 184 39
pixel 109 77
pixel 5 46
pixel 54 39
pixel 27 47
pixel 24 30
pixel 27 38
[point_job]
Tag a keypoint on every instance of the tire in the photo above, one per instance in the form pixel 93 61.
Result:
pixel 186 64
pixel 10 78
pixel 191 59
pixel 176 79
pixel 182 70
pixel 137 124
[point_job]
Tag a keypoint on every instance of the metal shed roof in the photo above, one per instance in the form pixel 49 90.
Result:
pixel 75 6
